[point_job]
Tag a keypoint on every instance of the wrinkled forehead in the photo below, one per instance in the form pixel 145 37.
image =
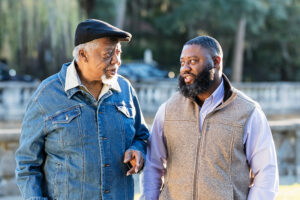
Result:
pixel 109 43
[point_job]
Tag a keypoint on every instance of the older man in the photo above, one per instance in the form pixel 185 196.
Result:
pixel 207 138
pixel 83 129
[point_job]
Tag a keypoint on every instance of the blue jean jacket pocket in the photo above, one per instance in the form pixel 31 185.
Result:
pixel 126 110
pixel 66 116
pixel 127 119
pixel 66 126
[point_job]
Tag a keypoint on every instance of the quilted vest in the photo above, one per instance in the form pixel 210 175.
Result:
pixel 207 165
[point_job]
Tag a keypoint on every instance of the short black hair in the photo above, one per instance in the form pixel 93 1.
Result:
pixel 207 42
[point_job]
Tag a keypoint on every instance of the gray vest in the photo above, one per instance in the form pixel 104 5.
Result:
pixel 210 165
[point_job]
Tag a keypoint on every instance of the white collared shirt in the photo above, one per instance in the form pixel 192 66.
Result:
pixel 211 103
pixel 73 80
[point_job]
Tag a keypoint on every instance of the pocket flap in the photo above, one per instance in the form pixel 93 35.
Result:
pixel 125 110
pixel 66 116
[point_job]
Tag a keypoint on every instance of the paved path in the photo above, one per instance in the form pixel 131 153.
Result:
pixel 11 198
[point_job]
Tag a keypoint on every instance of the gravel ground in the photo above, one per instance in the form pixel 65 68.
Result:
pixel 10 124
pixel 11 198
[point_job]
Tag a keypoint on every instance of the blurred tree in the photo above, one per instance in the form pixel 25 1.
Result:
pixel 224 19
pixel 274 51
pixel 121 11
pixel 112 11
pixel 37 36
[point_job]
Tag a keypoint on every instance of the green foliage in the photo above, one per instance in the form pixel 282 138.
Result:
pixel 104 10
pixel 271 32
pixel 274 51
pixel 37 35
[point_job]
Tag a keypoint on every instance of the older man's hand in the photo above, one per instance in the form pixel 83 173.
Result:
pixel 136 160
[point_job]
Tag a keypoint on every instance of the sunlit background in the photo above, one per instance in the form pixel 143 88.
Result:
pixel 260 40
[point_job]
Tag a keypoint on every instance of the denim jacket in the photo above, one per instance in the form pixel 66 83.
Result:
pixel 72 146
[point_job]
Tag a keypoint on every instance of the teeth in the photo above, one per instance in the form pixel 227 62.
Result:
pixel 187 78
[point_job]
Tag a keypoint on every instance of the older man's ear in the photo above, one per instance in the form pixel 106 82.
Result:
pixel 83 55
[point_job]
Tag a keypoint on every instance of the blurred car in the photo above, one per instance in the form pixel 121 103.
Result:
pixel 11 75
pixel 142 72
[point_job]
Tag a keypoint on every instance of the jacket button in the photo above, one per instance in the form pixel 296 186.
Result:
pixel 106 191
pixel 107 165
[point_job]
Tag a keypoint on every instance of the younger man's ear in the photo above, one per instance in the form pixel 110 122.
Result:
pixel 217 61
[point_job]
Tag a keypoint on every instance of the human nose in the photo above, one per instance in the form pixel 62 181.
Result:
pixel 116 59
pixel 185 68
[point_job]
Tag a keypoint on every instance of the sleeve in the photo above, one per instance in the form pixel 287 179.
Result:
pixel 261 155
pixel 151 181
pixel 30 155
pixel 142 132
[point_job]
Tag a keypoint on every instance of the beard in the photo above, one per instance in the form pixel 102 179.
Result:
pixel 108 80
pixel 201 84
pixel 109 75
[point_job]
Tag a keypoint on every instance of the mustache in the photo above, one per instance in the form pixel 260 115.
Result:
pixel 110 67
pixel 188 73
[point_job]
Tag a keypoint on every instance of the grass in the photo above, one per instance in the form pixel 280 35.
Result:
pixel 136 196
pixel 286 192
pixel 289 192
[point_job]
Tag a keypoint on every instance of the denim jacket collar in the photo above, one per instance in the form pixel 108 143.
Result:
pixel 70 80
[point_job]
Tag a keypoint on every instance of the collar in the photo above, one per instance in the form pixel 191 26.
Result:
pixel 228 89
pixel 214 99
pixel 217 96
pixel 73 80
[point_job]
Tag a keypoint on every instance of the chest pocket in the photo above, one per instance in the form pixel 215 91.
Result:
pixel 66 125
pixel 129 112
pixel 127 116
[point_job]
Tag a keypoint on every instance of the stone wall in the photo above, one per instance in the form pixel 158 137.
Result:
pixel 8 145
pixel 14 96
pixel 286 134
pixel 275 98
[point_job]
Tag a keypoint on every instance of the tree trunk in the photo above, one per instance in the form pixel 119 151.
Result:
pixel 237 72
pixel 120 12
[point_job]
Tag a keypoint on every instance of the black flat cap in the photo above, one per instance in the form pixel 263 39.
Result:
pixel 92 29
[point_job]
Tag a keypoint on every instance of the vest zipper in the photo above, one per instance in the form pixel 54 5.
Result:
pixel 196 170
pixel 195 189
pixel 195 195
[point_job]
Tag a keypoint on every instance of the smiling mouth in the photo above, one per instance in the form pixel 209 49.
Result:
pixel 188 78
